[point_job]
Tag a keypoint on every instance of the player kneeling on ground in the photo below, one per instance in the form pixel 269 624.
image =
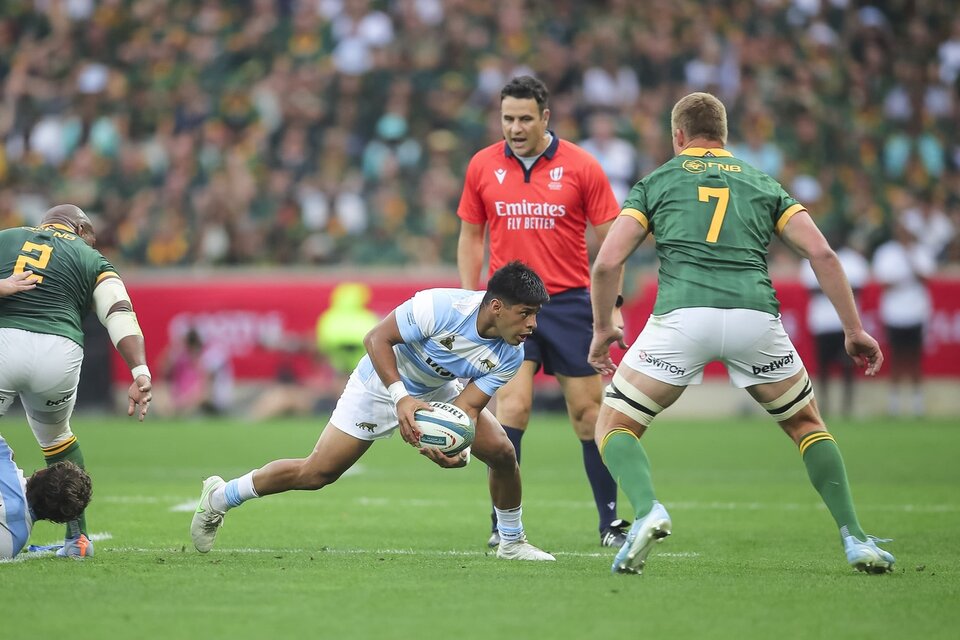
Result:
pixel 414 356
pixel 58 493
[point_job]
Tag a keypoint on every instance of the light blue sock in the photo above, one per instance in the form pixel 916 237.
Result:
pixel 234 493
pixel 509 524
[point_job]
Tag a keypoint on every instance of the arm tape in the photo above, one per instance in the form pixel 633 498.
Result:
pixel 109 292
pixel 397 391
pixel 119 324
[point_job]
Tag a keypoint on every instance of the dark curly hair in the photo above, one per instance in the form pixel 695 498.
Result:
pixel 516 283
pixel 59 493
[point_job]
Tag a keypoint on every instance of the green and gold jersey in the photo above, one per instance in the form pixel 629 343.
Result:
pixel 712 217
pixel 68 268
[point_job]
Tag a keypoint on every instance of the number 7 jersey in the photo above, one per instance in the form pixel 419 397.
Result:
pixel 712 216
pixel 69 270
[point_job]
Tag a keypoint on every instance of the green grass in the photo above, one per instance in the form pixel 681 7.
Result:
pixel 397 550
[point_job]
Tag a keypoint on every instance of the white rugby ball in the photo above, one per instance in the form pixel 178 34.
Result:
pixel 447 428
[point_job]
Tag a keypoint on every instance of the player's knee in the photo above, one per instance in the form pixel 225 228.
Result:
pixel 514 410
pixel 313 477
pixel 584 419
pixel 517 418
pixel 586 429
pixel 501 456
pixel 803 422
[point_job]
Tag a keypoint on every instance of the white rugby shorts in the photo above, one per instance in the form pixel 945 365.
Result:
pixel 676 346
pixel 45 371
pixel 366 411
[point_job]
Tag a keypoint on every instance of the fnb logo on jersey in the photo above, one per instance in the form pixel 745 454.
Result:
pixel 527 208
pixel 699 166
pixel 773 366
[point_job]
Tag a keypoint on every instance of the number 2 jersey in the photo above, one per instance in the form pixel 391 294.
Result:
pixel 69 268
pixel 713 217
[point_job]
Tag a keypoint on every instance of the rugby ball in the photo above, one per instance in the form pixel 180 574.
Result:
pixel 447 428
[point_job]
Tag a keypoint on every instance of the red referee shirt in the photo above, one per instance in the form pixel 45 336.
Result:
pixel 539 216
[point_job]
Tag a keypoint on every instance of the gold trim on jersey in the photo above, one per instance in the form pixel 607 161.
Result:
pixel 702 151
pixel 789 213
pixel 107 274
pixel 636 215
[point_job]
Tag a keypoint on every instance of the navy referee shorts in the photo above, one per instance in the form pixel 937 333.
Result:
pixel 561 342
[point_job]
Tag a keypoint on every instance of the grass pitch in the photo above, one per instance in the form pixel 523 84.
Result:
pixel 397 549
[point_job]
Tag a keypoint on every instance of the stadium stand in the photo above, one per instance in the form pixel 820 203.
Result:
pixel 279 132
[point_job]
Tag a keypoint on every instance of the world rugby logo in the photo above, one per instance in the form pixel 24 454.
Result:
pixel 555 174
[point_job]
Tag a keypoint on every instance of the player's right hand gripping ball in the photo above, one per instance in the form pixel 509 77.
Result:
pixel 447 428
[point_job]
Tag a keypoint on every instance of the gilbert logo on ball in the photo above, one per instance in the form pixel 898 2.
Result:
pixel 447 428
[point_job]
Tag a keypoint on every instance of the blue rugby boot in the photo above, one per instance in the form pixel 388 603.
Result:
pixel 867 556
pixel 644 533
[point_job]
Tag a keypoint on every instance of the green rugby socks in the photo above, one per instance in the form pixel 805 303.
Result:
pixel 69 449
pixel 821 455
pixel 628 464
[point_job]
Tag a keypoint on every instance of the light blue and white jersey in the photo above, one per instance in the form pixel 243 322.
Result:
pixel 15 521
pixel 441 343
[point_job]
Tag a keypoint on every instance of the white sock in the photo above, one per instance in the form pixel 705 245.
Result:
pixel 234 493
pixel 509 524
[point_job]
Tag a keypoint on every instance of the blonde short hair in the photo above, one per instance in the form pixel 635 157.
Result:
pixel 700 115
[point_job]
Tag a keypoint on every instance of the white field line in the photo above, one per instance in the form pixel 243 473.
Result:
pixel 326 550
pixel 679 506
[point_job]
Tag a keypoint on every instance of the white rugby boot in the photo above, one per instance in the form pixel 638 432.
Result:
pixel 206 520
pixel 521 550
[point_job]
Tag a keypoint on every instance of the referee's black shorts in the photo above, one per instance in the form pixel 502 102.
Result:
pixel 561 342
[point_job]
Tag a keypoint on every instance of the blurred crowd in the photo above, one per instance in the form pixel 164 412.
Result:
pixel 275 132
